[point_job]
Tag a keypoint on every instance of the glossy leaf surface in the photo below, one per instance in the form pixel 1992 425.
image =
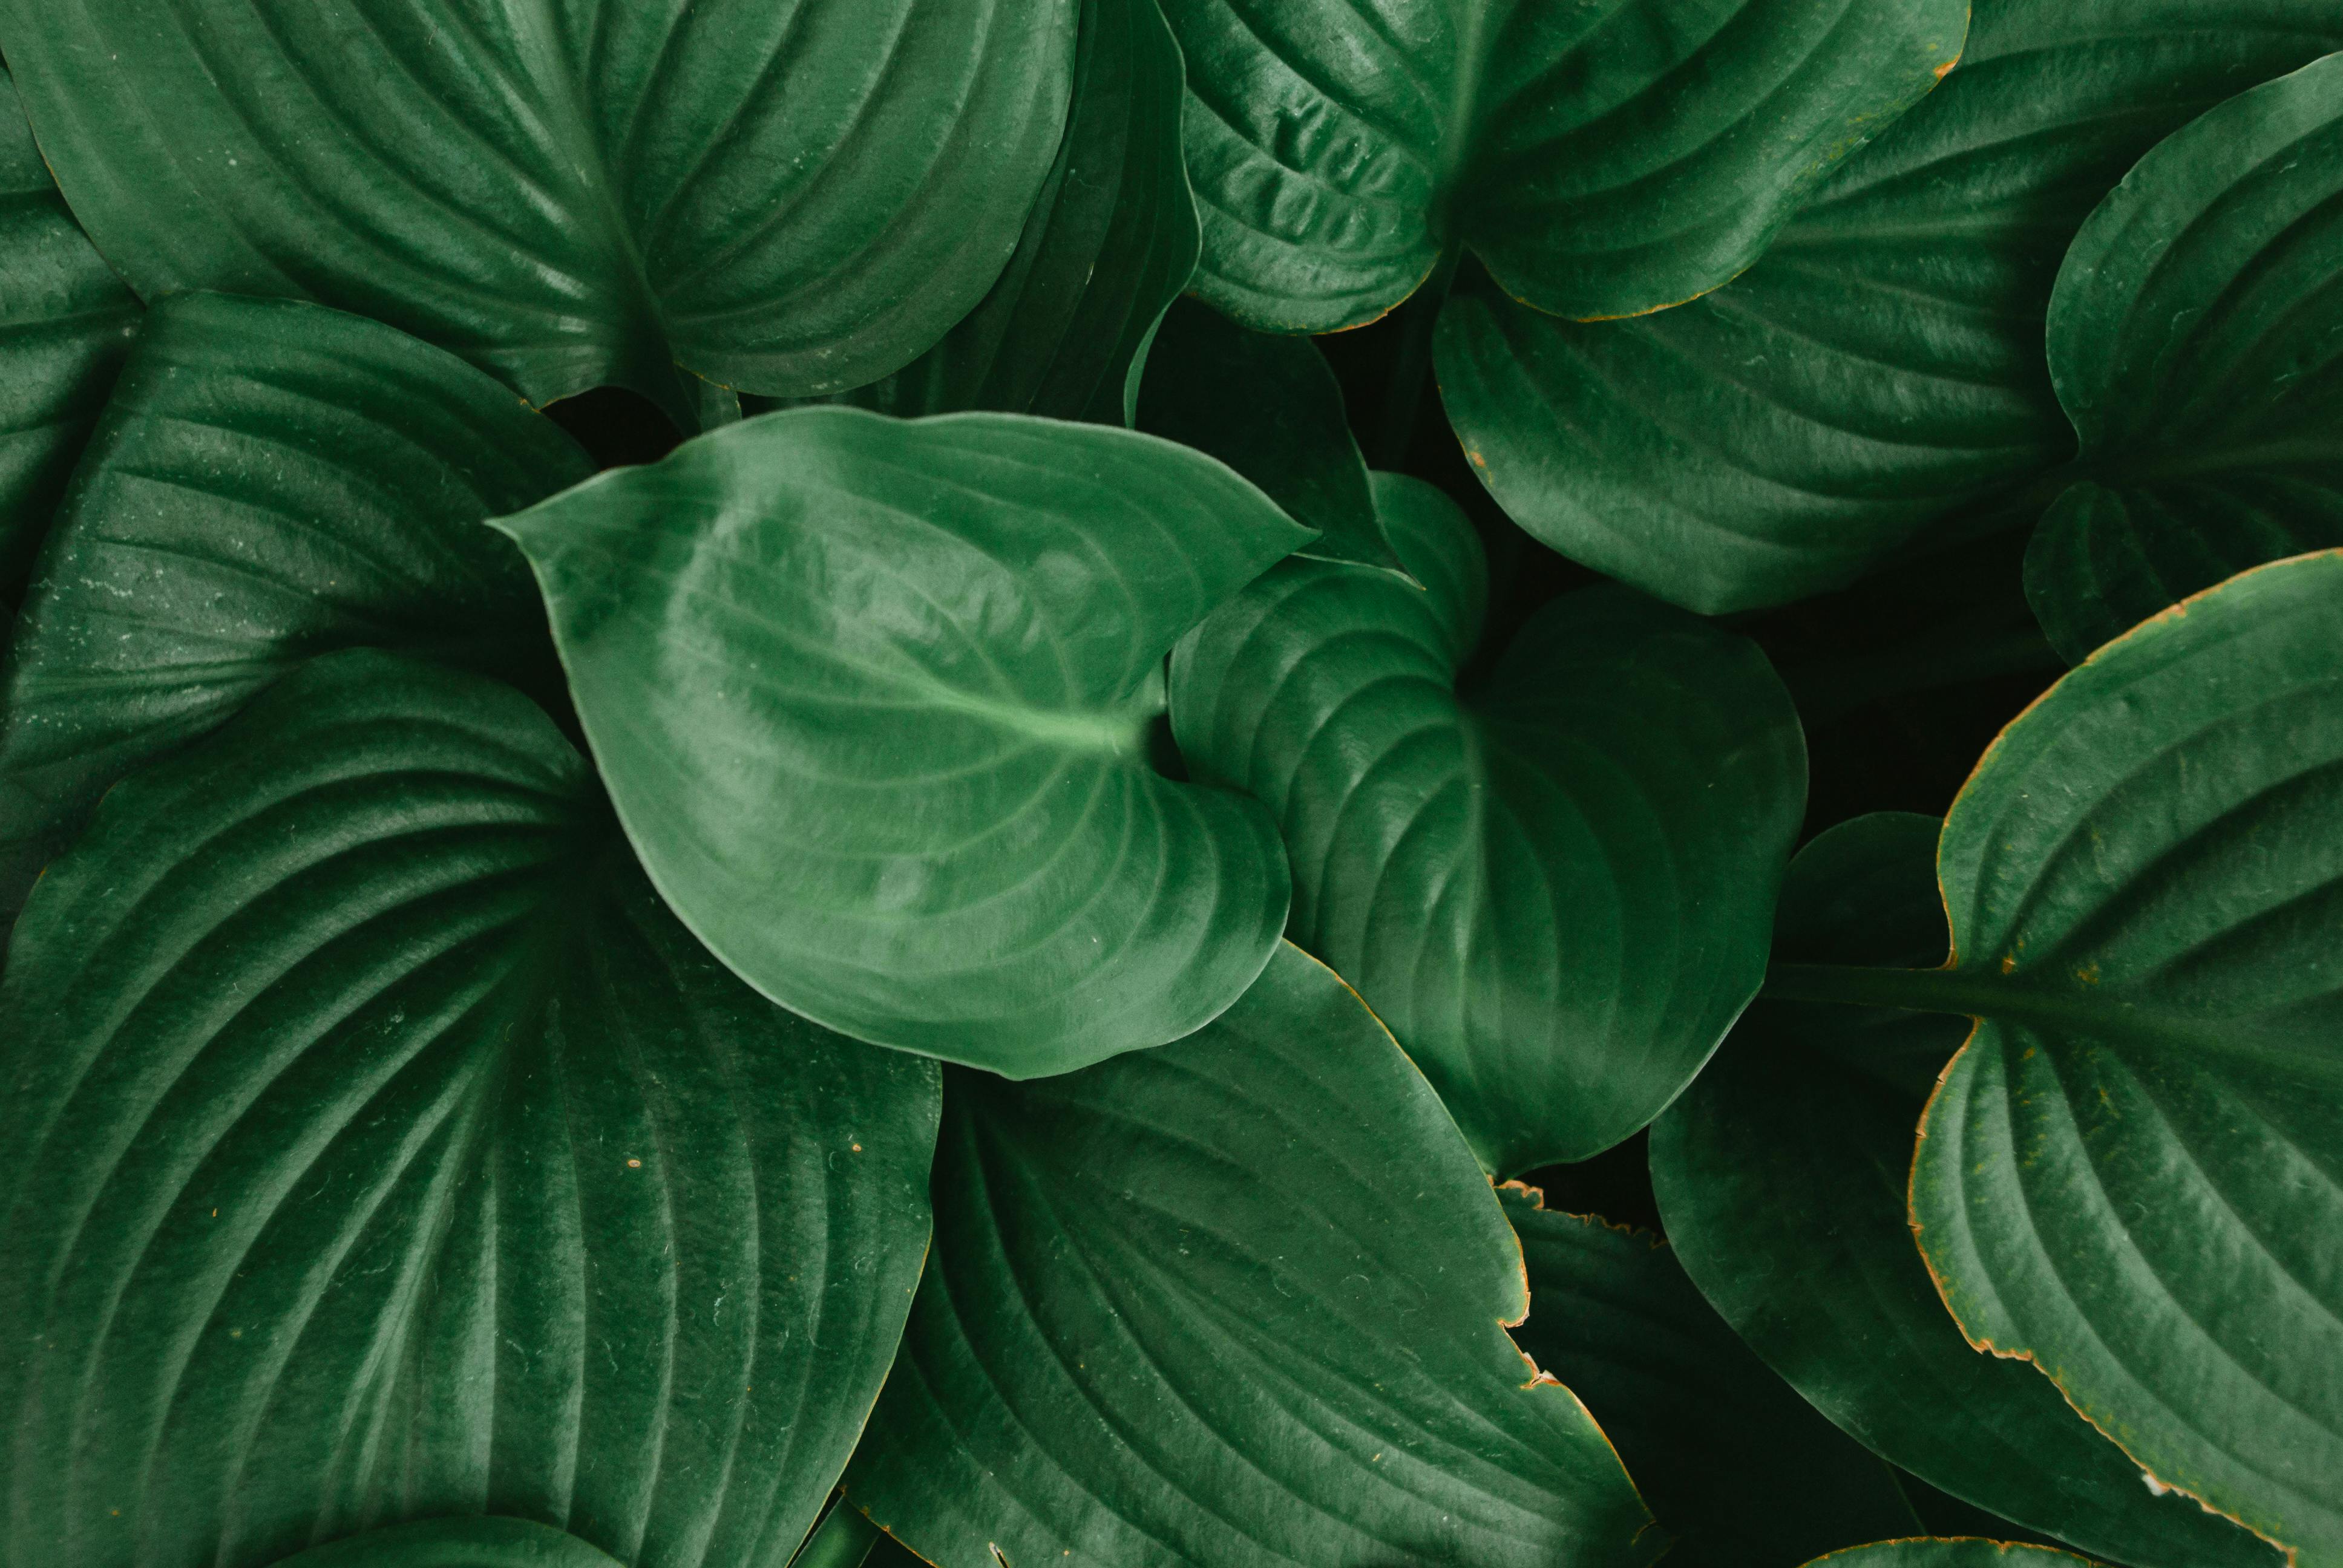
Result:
pixel 272 481
pixel 1782 1176
pixel 1233 1302
pixel 1736 1467
pixel 1882 366
pixel 481 1542
pixel 1951 1553
pixel 873 698
pixel 388 1151
pixel 1555 887
pixel 2133 1173
pixel 1602 160
pixel 1269 407
pixel 65 322
pixel 2197 340
pixel 568 192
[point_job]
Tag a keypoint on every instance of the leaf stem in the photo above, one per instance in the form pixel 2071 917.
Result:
pixel 1412 367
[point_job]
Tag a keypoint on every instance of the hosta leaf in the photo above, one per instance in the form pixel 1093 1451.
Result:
pixel 2133 1173
pixel 1233 1302
pixel 1110 242
pixel 1735 1466
pixel 1556 885
pixel 1957 1552
pixel 1271 408
pixel 66 321
pixel 1782 1174
pixel 385 1150
pixel 478 1542
pixel 1602 160
pixel 272 481
pixel 2196 339
pixel 1882 366
pixel 789 199
pixel 874 699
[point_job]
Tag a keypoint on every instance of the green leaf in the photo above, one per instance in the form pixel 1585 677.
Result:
pixel 1951 1554
pixel 787 199
pixel 1735 1466
pixel 1555 883
pixel 482 1542
pixel 2197 340
pixel 1780 1174
pixel 1230 1303
pixel 1110 243
pixel 1603 160
pixel 874 699
pixel 1881 369
pixel 1271 408
pixel 383 1149
pixel 65 322
pixel 2132 1174
pixel 271 481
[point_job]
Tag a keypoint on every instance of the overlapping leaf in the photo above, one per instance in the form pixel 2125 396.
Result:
pixel 1602 160
pixel 1736 1467
pixel 483 1543
pixel 1555 887
pixel 272 481
pixel 789 199
pixel 2197 340
pixel 1882 366
pixel 386 1150
pixel 1782 1175
pixel 1951 1553
pixel 1232 1304
pixel 874 699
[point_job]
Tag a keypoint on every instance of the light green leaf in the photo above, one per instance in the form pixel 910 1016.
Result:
pixel 272 481
pixel 481 1542
pixel 786 199
pixel 1233 1303
pixel 1736 1467
pixel 1271 408
pixel 1881 369
pixel 1780 1174
pixel 874 699
pixel 1603 160
pixel 1556 885
pixel 383 1149
pixel 1956 1553
pixel 65 322
pixel 2197 340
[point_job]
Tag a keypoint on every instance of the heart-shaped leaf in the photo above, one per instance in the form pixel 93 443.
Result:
pixel 1556 885
pixel 1603 160
pixel 1110 242
pixel 789 199
pixel 1737 1467
pixel 1882 367
pixel 479 1542
pixel 1230 1303
pixel 65 322
pixel 383 1149
pixel 2197 340
pixel 2133 1173
pixel 1957 1552
pixel 1269 407
pixel 874 699
pixel 272 481
pixel 1782 1175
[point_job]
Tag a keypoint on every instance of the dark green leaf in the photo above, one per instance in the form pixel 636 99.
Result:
pixel 1882 367
pixel 874 699
pixel 1782 1174
pixel 1951 1554
pixel 382 1149
pixel 1603 160
pixel 1230 1303
pixel 2197 340
pixel 65 322
pixel 482 1542
pixel 1110 243
pixel 271 481
pixel 1555 887
pixel 1269 407
pixel 789 199
pixel 1739 1469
